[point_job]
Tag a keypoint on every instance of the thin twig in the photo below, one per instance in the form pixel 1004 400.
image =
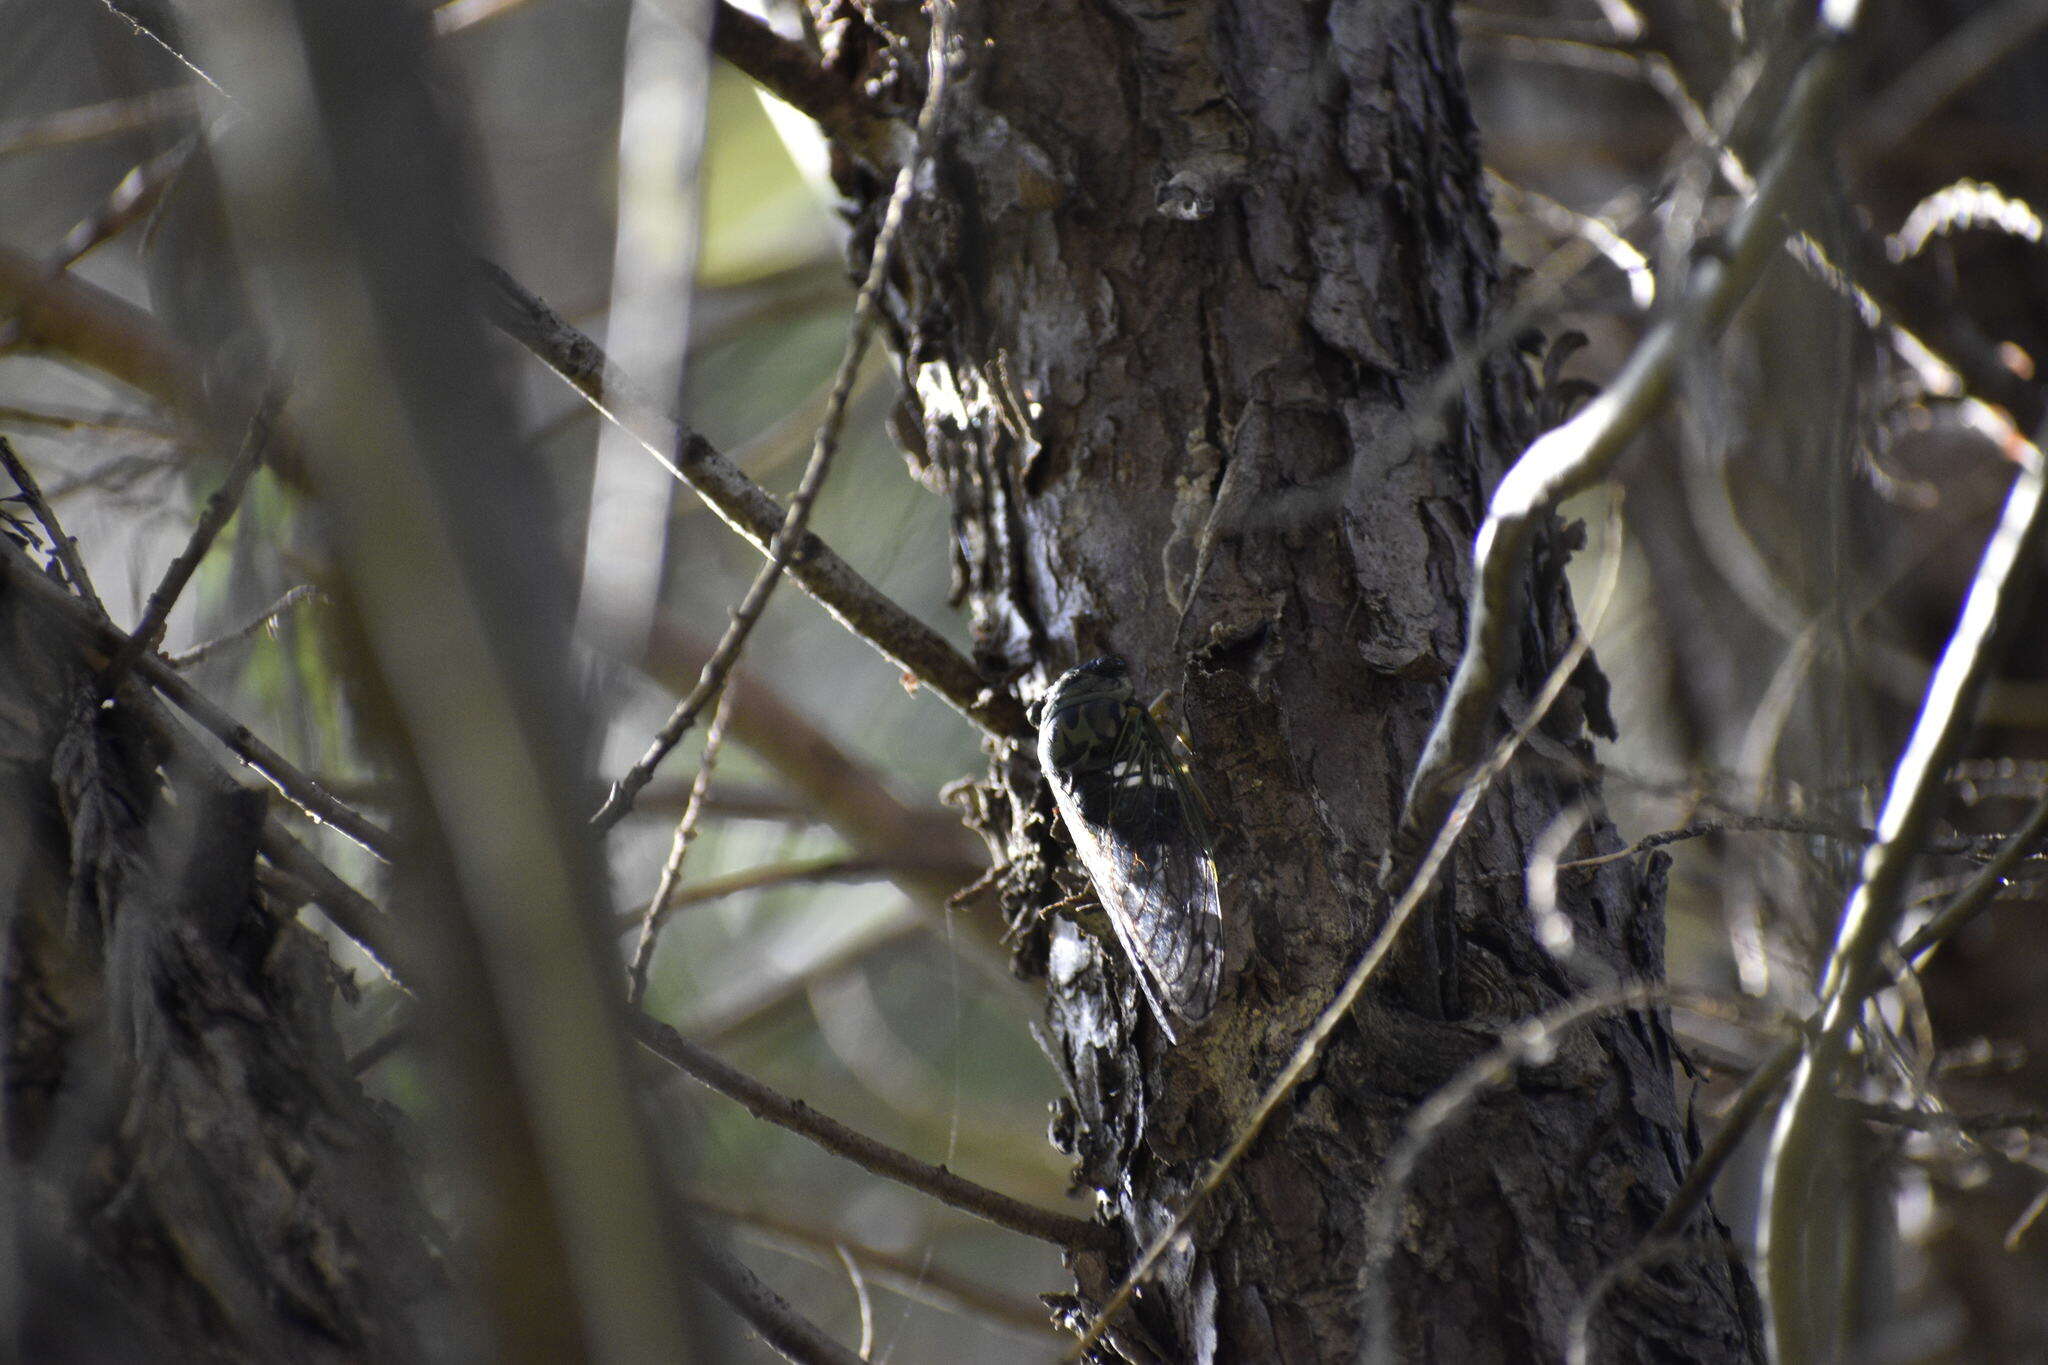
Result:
pixel 1982 887
pixel 298 788
pixel 144 30
pixel 1311 1045
pixel 347 908
pixel 156 612
pixel 771 1106
pixel 856 603
pixel 1574 456
pixel 1874 908
pixel 133 196
pixel 712 680
pixel 61 545
pixel 914 1279
pixel 793 1336
pixel 831 867
pixel 269 616
pixel 679 848
pixel 1770 1073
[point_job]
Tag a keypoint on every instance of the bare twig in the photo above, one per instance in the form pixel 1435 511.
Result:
pixel 679 848
pixel 712 680
pixel 830 867
pixel 269 616
pixel 1311 1045
pixel 349 909
pixel 1872 913
pixel 1988 881
pixel 302 791
pixel 856 603
pixel 1770 1073
pixel 772 1106
pixel 792 1335
pixel 61 545
pixel 131 199
pixel 149 631
pixel 1572 457
pixel 914 1279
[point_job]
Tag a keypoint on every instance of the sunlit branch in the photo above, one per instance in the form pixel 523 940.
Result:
pixel 856 603
pixel 790 533
pixel 793 74
pixel 268 617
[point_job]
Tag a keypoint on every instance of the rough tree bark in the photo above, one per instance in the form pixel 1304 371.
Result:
pixel 1176 295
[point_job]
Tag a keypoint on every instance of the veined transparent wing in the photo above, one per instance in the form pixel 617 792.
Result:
pixel 1137 824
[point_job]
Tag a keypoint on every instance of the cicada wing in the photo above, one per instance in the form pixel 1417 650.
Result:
pixel 1137 825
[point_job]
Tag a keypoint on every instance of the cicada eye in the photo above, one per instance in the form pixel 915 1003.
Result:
pixel 1034 712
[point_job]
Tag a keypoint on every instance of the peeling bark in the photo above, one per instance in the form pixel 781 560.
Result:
pixel 1177 293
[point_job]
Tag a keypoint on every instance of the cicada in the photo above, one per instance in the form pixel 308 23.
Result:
pixel 1136 821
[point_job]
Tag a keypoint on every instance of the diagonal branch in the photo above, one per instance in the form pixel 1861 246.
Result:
pixel 856 603
pixel 1875 907
pixel 716 669
pixel 298 788
pixel 772 1106
pixel 149 631
pixel 793 74
pixel 61 545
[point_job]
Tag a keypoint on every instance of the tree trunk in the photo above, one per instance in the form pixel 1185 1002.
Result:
pixel 1177 305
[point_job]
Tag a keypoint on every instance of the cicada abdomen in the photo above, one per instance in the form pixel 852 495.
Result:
pixel 1136 822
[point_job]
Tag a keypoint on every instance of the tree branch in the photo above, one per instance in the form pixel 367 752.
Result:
pixel 792 73
pixel 61 545
pixel 772 1106
pixel 856 603
pixel 914 1279
pixel 790 532
pixel 149 631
